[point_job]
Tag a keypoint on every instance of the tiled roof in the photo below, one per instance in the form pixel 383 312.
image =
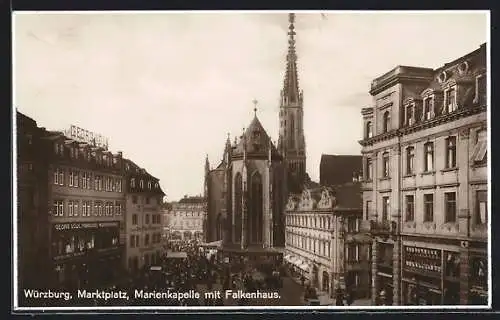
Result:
pixel 348 196
pixel 196 199
pixel 257 141
pixel 339 169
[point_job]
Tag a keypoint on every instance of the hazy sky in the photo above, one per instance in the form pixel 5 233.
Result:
pixel 166 88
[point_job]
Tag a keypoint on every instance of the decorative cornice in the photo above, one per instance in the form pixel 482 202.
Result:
pixel 461 113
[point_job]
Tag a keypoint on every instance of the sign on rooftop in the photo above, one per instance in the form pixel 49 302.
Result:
pixel 82 135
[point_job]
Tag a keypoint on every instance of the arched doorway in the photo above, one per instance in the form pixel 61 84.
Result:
pixel 325 283
pixel 187 235
pixel 255 216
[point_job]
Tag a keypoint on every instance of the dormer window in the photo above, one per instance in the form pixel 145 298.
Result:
pixel 450 100
pixel 428 110
pixel 368 130
pixel 149 185
pixel 132 183
pixel 480 89
pixel 141 184
pixel 410 114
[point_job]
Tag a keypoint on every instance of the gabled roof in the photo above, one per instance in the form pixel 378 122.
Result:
pixel 339 169
pixel 256 141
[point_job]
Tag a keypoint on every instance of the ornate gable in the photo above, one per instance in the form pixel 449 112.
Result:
pixel 307 202
pixel 327 200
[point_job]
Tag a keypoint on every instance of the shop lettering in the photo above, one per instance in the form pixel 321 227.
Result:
pixel 73 226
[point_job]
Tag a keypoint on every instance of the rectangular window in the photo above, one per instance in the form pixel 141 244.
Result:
pixel 61 177
pixel 451 207
pixel 146 240
pixel 428 207
pixel 84 180
pixel 132 241
pixel 76 178
pixel 56 176
pixel 70 208
pixel 134 219
pixel 75 208
pixel 450 100
pixel 89 208
pixel 410 208
pixel 385 164
pixel 352 224
pixel 482 207
pixel 84 208
pixel 70 178
pixel 428 106
pixel 409 115
pixel 58 208
pixel 480 149
pixel 481 89
pixel 410 156
pixel 385 208
pixel 147 219
pixel 451 152
pixel 429 156
pixel 368 210
pixel 368 173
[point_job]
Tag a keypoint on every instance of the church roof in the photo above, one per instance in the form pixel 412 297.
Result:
pixel 256 142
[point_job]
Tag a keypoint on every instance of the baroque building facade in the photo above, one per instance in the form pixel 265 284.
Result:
pixel 143 218
pixel 324 242
pixel 247 191
pixel 425 183
pixel 187 219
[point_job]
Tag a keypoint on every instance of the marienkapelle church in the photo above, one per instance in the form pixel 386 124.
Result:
pixel 247 192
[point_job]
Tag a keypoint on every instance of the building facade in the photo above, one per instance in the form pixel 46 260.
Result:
pixel 70 209
pixel 143 218
pixel 324 242
pixel 425 183
pixel 187 219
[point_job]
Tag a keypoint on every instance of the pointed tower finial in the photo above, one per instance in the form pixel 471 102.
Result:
pixel 291 93
pixel 255 102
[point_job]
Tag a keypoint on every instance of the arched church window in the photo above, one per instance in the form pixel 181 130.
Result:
pixel 292 132
pixel 256 215
pixel 237 206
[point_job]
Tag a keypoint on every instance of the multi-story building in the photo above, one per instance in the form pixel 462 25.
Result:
pixel 32 222
pixel 425 183
pixel 323 239
pixel 143 218
pixel 70 209
pixel 187 218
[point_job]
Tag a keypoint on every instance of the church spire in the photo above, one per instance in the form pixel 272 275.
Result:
pixel 291 93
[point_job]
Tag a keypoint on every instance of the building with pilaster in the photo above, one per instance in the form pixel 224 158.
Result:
pixel 425 183
pixel 187 218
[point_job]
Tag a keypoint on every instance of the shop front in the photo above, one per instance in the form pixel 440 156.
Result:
pixel 85 254
pixel 478 293
pixel 385 274
pixel 430 276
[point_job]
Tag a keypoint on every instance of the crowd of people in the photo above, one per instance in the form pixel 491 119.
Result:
pixel 185 267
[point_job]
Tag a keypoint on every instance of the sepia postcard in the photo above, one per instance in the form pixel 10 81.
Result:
pixel 251 159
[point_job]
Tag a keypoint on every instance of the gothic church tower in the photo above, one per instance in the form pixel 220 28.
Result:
pixel 291 143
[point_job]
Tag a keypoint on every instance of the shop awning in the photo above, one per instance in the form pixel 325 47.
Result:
pixel 176 255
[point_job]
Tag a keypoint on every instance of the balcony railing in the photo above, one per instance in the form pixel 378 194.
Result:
pixel 378 227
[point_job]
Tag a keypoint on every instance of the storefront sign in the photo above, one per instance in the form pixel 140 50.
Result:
pixel 422 259
pixel 86 136
pixel 74 226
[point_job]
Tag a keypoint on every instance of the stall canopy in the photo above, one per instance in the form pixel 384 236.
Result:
pixel 176 255
pixel 213 244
